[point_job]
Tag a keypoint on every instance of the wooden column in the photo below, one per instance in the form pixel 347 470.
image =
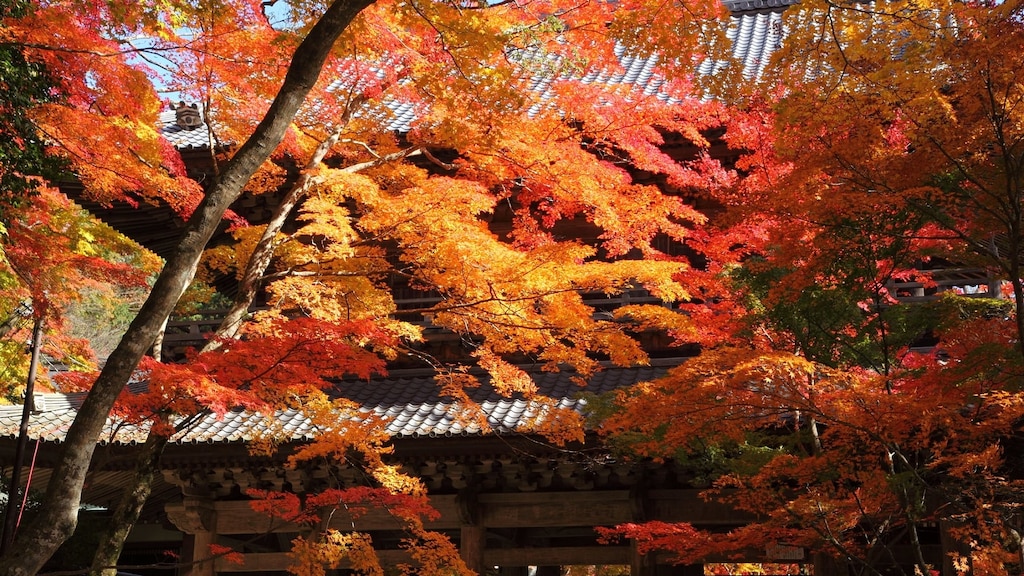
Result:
pixel 201 554
pixel 472 531
pixel 196 518
pixel 640 564
pixel 472 541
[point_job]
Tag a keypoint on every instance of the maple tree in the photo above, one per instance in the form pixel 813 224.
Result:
pixel 102 91
pixel 366 216
pixel 53 254
pixel 56 261
pixel 848 423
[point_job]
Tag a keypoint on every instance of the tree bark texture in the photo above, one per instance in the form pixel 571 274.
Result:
pixel 58 516
pixel 112 541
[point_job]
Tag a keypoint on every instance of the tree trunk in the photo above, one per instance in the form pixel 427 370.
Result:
pixel 112 540
pixel 59 513
pixel 130 506
pixel 264 251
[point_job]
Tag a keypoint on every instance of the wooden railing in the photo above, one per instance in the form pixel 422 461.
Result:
pixel 193 330
pixel 966 281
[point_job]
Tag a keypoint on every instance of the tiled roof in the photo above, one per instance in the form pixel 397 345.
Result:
pixel 183 139
pixel 412 407
pixel 755 29
pixel 755 37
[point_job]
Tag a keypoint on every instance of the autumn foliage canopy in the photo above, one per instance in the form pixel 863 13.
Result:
pixel 502 202
pixel 845 420
pixel 883 141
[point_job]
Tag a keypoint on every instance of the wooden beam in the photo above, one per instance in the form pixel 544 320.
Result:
pixel 257 562
pixel 603 508
pixel 280 561
pixel 689 506
pixel 557 556
pixel 379 519
pixel 555 509
pixel 505 510
pixel 238 517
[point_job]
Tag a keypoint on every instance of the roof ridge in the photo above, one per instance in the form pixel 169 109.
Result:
pixel 739 6
pixel 529 368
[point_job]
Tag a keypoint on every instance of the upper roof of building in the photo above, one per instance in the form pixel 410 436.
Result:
pixel 755 30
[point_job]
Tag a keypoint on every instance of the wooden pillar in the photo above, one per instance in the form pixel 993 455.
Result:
pixel 472 542
pixel 196 518
pixel 640 564
pixel 201 554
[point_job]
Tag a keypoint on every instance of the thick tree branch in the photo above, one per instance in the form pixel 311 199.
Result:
pixel 58 516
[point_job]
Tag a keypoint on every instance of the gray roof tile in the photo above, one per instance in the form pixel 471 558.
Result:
pixel 183 139
pixel 431 414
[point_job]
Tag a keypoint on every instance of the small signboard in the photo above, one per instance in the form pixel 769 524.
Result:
pixel 783 552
